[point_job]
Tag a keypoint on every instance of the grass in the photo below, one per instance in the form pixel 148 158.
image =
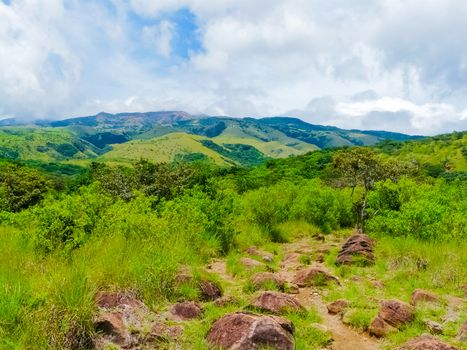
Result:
pixel 398 268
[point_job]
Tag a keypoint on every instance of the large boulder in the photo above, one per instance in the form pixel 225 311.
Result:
pixel 357 249
pixel 249 331
pixel 313 276
pixel 392 315
pixel 186 310
pixel 426 342
pixel 266 280
pixel 420 295
pixel 276 302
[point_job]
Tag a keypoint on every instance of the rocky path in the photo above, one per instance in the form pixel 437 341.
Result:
pixel 344 337
pixel 257 306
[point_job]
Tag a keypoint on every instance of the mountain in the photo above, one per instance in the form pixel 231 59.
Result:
pixel 169 135
pixel 330 136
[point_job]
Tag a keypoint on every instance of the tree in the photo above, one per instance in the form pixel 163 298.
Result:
pixel 361 166
pixel 21 187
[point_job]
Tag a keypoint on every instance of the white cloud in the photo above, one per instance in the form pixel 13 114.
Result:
pixel 160 37
pixel 362 64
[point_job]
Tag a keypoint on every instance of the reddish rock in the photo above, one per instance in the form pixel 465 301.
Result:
pixel 277 302
pixel 251 263
pixel 209 291
pixel 225 300
pixel 357 248
pixel 392 314
pixel 263 280
pixel 186 310
pixel 266 256
pixel 379 328
pixel 111 325
pixel 420 295
pixel 313 276
pixel 337 306
pixel 426 342
pixel 110 300
pixel 396 313
pixel 163 332
pixel 248 331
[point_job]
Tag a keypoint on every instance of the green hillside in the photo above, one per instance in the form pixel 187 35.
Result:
pixel 181 146
pixel 43 144
pixel 439 153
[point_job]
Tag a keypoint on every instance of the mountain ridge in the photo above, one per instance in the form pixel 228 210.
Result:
pixel 259 138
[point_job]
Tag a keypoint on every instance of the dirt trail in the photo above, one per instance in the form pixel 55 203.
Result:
pixel 345 338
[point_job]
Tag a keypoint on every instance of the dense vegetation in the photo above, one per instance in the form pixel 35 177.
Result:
pixel 130 227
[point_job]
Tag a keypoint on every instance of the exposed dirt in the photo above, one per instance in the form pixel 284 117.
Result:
pixel 344 337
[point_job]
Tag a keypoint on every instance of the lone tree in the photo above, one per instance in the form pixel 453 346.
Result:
pixel 364 167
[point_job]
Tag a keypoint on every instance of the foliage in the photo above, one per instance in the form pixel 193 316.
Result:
pixel 21 187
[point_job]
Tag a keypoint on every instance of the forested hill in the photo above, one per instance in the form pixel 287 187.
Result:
pixel 168 136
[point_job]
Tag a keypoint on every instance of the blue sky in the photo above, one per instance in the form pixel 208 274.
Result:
pixel 372 64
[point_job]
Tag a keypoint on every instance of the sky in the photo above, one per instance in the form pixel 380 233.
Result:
pixel 397 65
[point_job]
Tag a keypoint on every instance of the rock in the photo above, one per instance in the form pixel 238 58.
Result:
pixel 357 248
pixel 251 263
pixel 338 306
pixel 209 291
pixel 377 283
pixel 109 300
pixel 277 302
pixel 263 280
pixel 392 314
pixel 225 300
pixel 186 310
pixel 420 295
pixel 434 327
pixel 379 328
pixel 291 288
pixel 313 276
pixel 462 335
pixel 319 237
pixel 163 332
pixel 111 326
pixel 426 342
pixel 249 331
pixel 291 261
pixel 396 313
pixel 266 256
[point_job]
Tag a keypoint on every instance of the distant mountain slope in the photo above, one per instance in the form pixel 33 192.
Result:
pixel 44 144
pixel 182 146
pixel 131 136
pixel 330 136
pixel 105 129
